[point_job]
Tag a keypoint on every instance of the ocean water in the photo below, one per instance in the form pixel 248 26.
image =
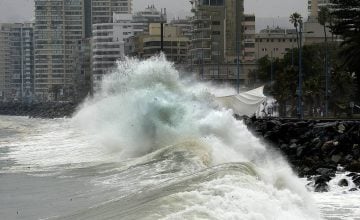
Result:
pixel 151 145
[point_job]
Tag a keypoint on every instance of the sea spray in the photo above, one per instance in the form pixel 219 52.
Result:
pixel 144 106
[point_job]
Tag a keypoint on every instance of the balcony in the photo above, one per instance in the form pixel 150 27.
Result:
pixel 201 38
pixel 197 19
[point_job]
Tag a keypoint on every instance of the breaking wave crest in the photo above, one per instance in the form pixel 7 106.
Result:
pixel 145 111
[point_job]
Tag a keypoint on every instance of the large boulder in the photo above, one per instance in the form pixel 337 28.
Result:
pixel 343 183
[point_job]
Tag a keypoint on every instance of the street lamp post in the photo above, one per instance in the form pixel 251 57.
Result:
pixel 300 107
pixel 272 68
pixel 326 79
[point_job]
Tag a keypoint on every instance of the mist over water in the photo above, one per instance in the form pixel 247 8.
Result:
pixel 146 114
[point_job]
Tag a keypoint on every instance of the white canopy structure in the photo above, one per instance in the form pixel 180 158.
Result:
pixel 246 103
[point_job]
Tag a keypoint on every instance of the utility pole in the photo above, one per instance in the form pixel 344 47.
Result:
pixel 326 78
pixel 238 42
pixel 300 107
pixel 162 37
pixel 272 68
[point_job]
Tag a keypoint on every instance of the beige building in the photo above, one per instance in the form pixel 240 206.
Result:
pixel 275 42
pixel 175 46
pixel 59 25
pixel 248 41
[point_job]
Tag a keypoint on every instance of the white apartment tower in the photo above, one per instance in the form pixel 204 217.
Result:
pixel 102 11
pixel 108 44
pixel 59 25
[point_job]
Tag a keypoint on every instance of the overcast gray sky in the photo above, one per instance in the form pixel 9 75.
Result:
pixel 19 10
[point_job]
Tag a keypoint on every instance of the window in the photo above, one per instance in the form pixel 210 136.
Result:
pixel 215 23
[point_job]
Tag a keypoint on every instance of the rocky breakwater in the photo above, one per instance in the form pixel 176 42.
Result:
pixel 315 149
pixel 39 110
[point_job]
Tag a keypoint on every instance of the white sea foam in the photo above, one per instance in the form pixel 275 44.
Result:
pixel 169 137
pixel 145 106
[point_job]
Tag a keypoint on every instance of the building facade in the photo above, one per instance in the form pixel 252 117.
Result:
pixel 59 25
pixel 107 48
pixel 275 42
pixel 315 5
pixel 175 45
pixel 16 62
pixel 82 70
pixel 223 41
pixel 313 30
pixel 248 41
pixel 108 44
pixel 184 25
pixel 103 10
pixel 151 14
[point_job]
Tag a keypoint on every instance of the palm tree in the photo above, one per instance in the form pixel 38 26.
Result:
pixel 346 23
pixel 295 19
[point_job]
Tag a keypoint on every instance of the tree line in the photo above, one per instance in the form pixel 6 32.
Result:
pixel 330 78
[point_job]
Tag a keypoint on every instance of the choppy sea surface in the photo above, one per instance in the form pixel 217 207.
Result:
pixel 152 146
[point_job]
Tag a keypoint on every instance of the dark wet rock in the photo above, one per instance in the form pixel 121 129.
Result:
pixel 326 172
pixel 300 151
pixel 349 158
pixel 310 145
pixel 356 150
pixel 336 158
pixel 356 181
pixel 328 146
pixel 293 146
pixel 343 183
pixel 321 187
pixel 354 167
pixel 353 190
pixel 283 146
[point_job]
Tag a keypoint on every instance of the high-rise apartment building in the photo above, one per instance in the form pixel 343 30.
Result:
pixel 108 44
pixel 102 11
pixel 216 30
pixel 221 34
pixel 16 62
pixel 59 25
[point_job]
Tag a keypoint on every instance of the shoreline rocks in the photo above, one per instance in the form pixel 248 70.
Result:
pixel 39 110
pixel 312 147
